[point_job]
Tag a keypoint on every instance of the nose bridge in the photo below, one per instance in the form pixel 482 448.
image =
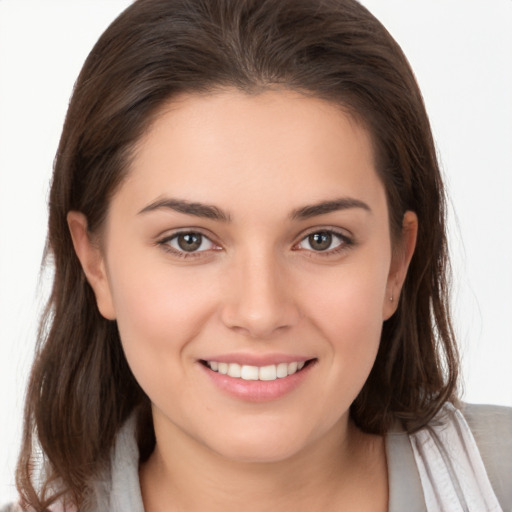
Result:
pixel 259 301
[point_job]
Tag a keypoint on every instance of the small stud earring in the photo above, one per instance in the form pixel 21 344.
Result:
pixel 391 298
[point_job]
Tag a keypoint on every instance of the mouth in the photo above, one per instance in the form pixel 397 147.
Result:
pixel 257 373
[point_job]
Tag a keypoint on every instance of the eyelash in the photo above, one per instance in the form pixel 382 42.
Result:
pixel 345 243
pixel 164 243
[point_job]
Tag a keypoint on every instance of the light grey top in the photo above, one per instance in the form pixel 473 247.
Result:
pixel 491 427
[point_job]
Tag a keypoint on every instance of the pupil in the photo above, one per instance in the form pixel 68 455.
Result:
pixel 189 241
pixel 320 241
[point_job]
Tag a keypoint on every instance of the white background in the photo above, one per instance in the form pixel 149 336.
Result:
pixel 461 51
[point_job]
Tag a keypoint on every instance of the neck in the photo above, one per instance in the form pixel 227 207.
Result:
pixel 325 475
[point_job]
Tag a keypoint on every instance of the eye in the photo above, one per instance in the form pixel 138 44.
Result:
pixel 323 241
pixel 187 242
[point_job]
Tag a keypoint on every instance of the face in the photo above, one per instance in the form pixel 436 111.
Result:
pixel 247 261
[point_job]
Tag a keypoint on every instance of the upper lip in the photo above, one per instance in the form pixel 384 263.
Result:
pixel 257 359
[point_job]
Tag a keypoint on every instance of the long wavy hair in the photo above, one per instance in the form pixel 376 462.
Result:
pixel 81 389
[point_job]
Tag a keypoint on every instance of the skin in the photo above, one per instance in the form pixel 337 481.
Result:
pixel 257 285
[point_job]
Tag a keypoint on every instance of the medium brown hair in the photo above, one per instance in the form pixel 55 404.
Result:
pixel 81 389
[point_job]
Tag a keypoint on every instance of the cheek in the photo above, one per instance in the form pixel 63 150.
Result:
pixel 353 326
pixel 158 311
pixel 348 300
pixel 347 310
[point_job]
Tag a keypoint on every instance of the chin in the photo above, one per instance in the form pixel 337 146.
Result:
pixel 272 446
pixel 256 453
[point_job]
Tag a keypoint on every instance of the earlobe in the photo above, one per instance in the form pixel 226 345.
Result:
pixel 400 263
pixel 92 261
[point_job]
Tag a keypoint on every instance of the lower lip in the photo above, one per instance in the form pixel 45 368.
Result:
pixel 258 390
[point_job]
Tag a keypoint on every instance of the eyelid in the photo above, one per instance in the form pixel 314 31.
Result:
pixel 164 239
pixel 347 241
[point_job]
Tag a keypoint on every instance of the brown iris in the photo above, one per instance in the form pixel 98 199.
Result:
pixel 320 241
pixel 189 242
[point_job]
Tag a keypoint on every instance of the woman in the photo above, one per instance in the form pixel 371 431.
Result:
pixel 249 307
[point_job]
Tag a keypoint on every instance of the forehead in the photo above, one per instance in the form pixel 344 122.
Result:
pixel 241 149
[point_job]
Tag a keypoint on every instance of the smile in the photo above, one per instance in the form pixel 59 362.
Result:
pixel 248 372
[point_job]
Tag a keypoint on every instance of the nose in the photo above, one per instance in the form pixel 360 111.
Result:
pixel 259 299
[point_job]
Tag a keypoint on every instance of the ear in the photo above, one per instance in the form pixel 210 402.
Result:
pixel 92 260
pixel 400 263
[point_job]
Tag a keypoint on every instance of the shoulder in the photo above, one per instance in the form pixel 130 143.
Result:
pixel 16 507
pixel 13 507
pixel 486 419
pixel 491 426
pixel 457 445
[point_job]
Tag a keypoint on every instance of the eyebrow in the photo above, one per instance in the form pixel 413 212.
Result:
pixel 344 203
pixel 189 208
pixel 214 213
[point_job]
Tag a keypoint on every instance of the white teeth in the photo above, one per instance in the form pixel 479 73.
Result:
pixel 235 370
pixel 247 372
pixel 292 368
pixel 282 370
pixel 268 372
